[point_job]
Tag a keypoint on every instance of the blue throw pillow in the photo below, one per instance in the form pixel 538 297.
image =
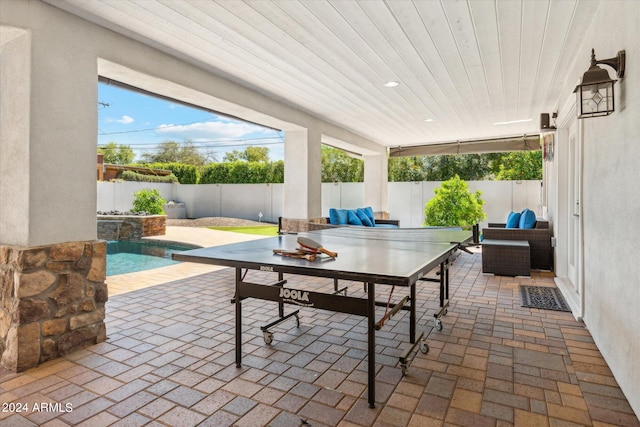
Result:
pixel 527 219
pixel 369 211
pixel 353 218
pixel 338 216
pixel 364 218
pixel 513 220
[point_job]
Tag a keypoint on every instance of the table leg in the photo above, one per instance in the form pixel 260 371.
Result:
pixel 412 315
pixel 442 281
pixel 371 356
pixel 280 304
pixel 446 280
pixel 444 293
pixel 238 319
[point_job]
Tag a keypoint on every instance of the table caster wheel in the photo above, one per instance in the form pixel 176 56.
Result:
pixel 424 347
pixel 438 324
pixel 268 337
pixel 405 370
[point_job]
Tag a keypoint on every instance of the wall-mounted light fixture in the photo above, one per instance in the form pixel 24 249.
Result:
pixel 594 94
pixel 545 123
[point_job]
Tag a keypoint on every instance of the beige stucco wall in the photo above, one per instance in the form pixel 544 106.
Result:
pixel 610 199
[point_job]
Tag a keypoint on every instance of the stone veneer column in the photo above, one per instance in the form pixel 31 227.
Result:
pixel 52 301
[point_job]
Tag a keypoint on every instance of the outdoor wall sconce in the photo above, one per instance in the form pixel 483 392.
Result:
pixel 594 94
pixel 545 124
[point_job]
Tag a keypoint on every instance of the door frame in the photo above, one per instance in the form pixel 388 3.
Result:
pixel 569 213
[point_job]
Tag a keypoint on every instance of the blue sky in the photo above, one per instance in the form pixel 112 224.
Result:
pixel 142 122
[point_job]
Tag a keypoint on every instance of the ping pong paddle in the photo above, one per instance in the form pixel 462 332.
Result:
pixel 295 254
pixel 301 254
pixel 305 242
pixel 301 251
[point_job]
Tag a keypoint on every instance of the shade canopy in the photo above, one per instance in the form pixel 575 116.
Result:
pixel 496 145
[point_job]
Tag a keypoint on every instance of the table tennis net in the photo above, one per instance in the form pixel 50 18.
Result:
pixel 295 226
pixel 422 234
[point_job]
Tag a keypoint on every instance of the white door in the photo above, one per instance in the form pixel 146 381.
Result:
pixel 575 211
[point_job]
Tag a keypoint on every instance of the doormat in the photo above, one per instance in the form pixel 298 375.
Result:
pixel 542 297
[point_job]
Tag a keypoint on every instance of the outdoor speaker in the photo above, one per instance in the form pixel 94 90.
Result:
pixel 544 121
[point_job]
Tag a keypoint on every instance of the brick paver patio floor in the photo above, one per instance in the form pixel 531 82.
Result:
pixel 169 360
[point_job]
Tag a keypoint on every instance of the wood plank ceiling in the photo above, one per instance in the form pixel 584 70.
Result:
pixel 462 65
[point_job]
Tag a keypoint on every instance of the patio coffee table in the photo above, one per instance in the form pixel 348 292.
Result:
pixel 392 257
pixel 506 257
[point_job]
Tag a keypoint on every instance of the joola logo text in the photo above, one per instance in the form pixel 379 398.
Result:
pixel 296 297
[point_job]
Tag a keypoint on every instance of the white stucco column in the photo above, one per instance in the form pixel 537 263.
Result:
pixel 14 134
pixel 376 176
pixel 50 260
pixel 302 174
pixel 48 128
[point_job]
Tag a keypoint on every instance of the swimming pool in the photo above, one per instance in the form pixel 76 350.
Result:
pixel 124 256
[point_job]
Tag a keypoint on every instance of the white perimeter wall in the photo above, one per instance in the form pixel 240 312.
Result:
pixel 247 201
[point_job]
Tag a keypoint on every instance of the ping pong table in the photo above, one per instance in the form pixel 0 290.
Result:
pixel 397 257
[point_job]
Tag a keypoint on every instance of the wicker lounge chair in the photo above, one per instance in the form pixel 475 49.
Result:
pixel 539 238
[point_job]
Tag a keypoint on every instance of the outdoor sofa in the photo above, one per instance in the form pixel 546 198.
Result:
pixel 292 225
pixel 359 217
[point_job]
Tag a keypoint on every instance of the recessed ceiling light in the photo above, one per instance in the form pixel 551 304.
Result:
pixel 512 121
pixel 391 84
pixel 428 120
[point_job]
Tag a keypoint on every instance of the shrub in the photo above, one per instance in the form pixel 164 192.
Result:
pixel 148 200
pixel 140 177
pixel 249 172
pixel 214 173
pixel 241 172
pixel 454 205
pixel 186 174
pixel 276 174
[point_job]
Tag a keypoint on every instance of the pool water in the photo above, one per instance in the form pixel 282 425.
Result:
pixel 131 256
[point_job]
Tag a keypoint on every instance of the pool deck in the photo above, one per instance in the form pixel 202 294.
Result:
pixel 204 237
pixel 169 360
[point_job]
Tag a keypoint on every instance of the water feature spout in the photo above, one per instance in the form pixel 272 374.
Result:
pixel 115 232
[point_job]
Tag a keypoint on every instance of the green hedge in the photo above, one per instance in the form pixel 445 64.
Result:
pixel 138 177
pixel 238 172
pixel 186 174
pixel 241 172
pixel 277 172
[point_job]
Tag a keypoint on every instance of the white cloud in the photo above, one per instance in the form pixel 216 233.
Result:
pixel 212 130
pixel 124 120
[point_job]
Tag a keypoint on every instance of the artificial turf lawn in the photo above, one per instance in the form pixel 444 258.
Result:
pixel 262 230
